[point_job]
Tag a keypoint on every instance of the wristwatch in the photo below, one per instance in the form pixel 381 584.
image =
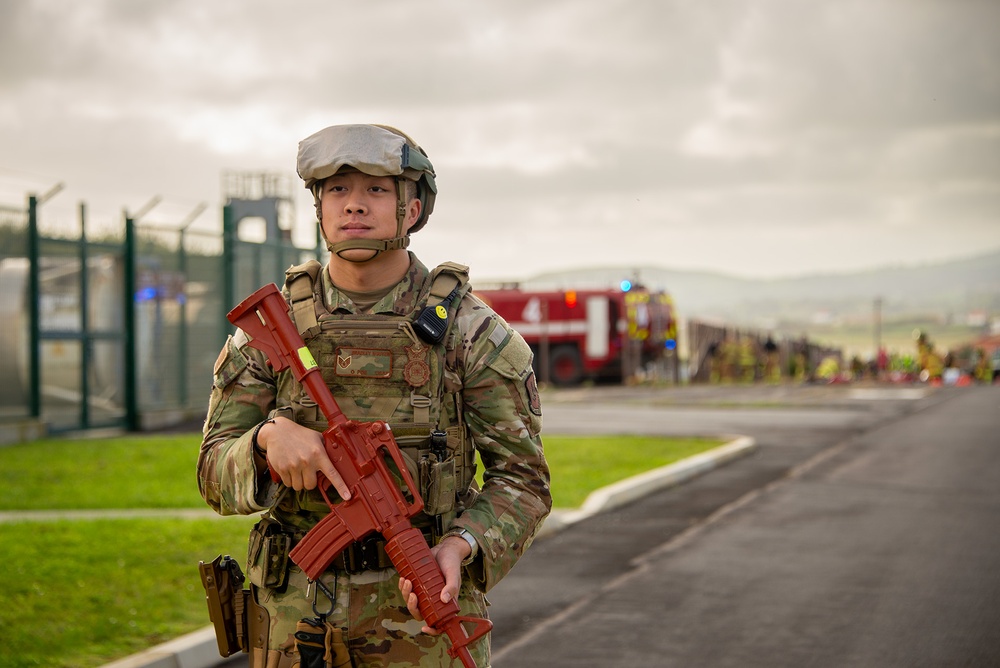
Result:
pixel 468 538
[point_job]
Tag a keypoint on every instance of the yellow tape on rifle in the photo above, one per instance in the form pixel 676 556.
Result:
pixel 306 357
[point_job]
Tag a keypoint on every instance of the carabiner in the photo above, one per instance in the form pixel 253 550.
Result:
pixel 326 592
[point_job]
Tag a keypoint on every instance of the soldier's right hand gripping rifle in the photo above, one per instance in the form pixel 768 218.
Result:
pixel 358 451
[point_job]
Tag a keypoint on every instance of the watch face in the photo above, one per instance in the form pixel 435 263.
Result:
pixel 469 539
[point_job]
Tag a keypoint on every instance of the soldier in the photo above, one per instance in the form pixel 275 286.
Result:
pixel 471 390
pixel 713 355
pixel 772 363
pixel 747 359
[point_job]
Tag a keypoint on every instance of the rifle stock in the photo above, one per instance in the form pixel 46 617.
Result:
pixel 358 451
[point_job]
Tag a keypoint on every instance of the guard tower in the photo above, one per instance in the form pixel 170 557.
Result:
pixel 253 257
pixel 265 195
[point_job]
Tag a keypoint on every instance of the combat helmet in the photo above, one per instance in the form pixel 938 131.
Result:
pixel 378 150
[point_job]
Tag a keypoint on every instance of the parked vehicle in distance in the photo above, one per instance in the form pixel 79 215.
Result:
pixel 579 335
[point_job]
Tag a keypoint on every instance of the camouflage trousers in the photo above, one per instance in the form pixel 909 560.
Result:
pixel 378 628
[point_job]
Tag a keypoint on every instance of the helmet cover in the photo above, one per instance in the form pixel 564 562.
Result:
pixel 372 149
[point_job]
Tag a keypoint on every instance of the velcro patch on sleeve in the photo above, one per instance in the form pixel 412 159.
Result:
pixel 229 365
pixel 498 335
pixel 513 360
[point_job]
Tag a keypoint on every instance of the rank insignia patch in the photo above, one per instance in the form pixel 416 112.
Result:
pixel 364 362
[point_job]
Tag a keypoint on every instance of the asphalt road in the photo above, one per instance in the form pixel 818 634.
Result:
pixel 864 532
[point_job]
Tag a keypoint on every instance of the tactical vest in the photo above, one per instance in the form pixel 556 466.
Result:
pixel 379 369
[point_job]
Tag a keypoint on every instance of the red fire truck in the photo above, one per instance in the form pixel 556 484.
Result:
pixel 578 335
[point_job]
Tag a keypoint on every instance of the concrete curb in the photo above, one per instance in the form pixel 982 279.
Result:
pixel 20 430
pixel 631 489
pixel 194 650
pixel 200 650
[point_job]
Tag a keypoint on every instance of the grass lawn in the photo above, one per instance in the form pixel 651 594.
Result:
pixel 582 464
pixel 88 592
pixel 125 472
pixel 85 593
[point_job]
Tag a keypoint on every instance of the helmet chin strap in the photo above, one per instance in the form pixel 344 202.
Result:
pixel 379 246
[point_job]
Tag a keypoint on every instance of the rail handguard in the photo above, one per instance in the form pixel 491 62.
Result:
pixel 358 451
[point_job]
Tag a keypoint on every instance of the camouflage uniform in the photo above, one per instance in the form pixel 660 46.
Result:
pixel 487 369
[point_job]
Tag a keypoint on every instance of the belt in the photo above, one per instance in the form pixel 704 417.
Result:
pixel 363 555
pixel 366 555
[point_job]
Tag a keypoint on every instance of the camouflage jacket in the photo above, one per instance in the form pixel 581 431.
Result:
pixel 489 369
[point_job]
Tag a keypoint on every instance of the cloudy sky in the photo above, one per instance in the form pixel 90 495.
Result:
pixel 758 138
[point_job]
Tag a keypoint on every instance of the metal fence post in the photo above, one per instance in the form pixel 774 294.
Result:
pixel 131 366
pixel 228 261
pixel 182 342
pixel 85 339
pixel 34 338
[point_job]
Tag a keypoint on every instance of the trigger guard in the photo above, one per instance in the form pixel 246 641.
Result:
pixel 324 487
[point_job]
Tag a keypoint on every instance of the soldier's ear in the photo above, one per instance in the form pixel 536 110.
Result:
pixel 413 209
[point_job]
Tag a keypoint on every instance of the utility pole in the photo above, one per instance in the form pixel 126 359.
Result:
pixel 878 326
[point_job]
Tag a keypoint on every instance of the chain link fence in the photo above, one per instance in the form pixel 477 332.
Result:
pixel 14 393
pixel 81 352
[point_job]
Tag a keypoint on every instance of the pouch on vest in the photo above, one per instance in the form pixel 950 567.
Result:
pixel 267 555
pixel 437 484
pixel 321 645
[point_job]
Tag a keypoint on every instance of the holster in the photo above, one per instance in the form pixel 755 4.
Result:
pixel 227 602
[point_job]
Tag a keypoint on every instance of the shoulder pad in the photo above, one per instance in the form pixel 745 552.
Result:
pixel 446 277
pixel 459 270
pixel 299 282
pixel 311 267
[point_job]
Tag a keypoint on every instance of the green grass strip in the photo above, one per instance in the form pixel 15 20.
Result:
pixel 159 471
pixel 86 593
pixel 122 472
pixel 583 464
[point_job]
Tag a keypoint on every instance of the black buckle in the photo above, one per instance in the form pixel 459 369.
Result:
pixel 363 556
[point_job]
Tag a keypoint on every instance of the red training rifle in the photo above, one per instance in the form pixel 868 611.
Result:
pixel 358 451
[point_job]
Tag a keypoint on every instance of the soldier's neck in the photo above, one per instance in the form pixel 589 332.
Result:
pixel 381 273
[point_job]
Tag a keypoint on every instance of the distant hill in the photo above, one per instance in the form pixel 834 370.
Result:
pixel 947 289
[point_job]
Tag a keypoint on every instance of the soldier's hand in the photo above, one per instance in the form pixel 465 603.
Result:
pixel 450 553
pixel 297 455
